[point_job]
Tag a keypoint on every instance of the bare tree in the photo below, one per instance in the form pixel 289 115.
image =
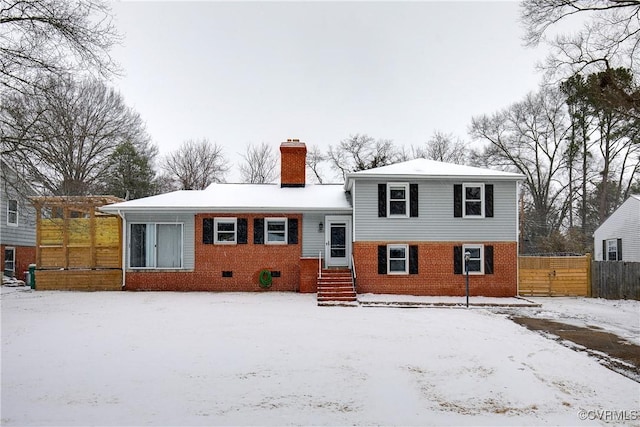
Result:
pixel 53 37
pixel 260 164
pixel 443 147
pixel 315 159
pixel 610 36
pixel 65 136
pixel 361 152
pixel 196 164
pixel 529 138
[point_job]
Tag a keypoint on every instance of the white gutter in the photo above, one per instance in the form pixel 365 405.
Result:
pixel 124 247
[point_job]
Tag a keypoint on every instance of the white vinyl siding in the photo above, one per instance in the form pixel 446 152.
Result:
pixel 623 224
pixel 24 232
pixel 313 240
pixel 435 221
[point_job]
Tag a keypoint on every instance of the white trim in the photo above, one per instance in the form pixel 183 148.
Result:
pixel 406 259
pixel 267 220
pixel 12 249
pixel 615 249
pixel 405 186
pixel 225 220
pixel 346 219
pixel 481 250
pixel 9 212
pixel 464 199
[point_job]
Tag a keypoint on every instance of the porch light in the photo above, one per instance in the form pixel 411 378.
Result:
pixel 320 227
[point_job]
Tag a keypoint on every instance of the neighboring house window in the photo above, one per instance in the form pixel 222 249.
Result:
pixel 397 259
pixel 397 198
pixel 12 212
pixel 275 230
pixel 473 200
pixel 480 259
pixel 225 230
pixel 153 245
pixel 10 262
pixel 612 250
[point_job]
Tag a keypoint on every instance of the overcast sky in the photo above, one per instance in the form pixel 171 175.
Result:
pixel 245 72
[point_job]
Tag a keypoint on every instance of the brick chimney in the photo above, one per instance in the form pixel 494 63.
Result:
pixel 293 162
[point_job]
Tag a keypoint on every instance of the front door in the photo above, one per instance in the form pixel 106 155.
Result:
pixel 338 241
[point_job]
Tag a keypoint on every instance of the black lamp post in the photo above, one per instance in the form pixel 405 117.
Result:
pixel 467 255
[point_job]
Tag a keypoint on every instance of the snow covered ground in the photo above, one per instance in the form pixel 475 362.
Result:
pixel 124 358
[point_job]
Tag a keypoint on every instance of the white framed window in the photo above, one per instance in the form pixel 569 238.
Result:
pixel 225 231
pixel 397 259
pixel 397 199
pixel 12 212
pixel 612 250
pixel 275 231
pixel 10 261
pixel 155 245
pixel 476 258
pixel 473 200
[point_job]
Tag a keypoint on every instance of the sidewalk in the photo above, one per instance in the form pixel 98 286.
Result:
pixel 387 300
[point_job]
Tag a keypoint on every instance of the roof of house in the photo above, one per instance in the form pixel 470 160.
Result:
pixel 633 198
pixel 274 198
pixel 430 169
pixel 244 197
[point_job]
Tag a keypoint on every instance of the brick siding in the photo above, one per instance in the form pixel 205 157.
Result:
pixel 25 255
pixel 436 271
pixel 245 261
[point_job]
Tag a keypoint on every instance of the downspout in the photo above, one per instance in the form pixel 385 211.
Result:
pixel 124 247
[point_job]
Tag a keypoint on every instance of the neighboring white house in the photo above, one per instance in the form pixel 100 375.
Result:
pixel 618 237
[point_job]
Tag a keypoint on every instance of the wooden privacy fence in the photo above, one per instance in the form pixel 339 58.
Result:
pixel 615 280
pixel 554 276
pixel 77 247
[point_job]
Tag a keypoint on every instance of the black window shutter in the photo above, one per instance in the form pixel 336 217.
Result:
pixel 382 200
pixel 413 200
pixel 382 259
pixel 488 259
pixel 207 231
pixel 242 231
pixel 619 242
pixel 488 200
pixel 605 255
pixel 413 259
pixel 457 201
pixel 292 231
pixel 457 260
pixel 258 231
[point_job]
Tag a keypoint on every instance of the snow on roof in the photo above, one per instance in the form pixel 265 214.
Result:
pixel 425 168
pixel 243 197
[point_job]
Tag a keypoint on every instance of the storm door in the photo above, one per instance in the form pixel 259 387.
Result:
pixel 338 241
